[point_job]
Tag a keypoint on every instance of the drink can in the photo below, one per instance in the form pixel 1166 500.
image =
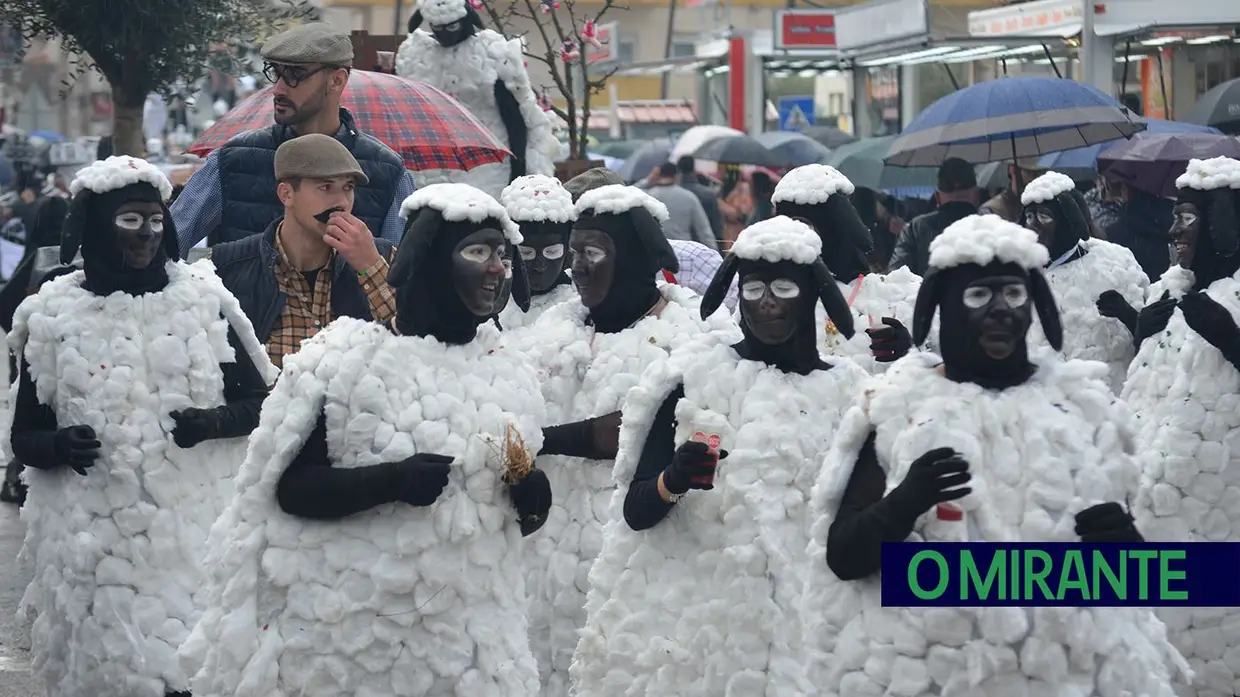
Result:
pixel 712 441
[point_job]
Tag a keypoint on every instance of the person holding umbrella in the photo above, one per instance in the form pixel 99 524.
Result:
pixel 1006 204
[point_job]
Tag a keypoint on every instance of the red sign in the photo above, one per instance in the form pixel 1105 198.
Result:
pixel 805 29
pixel 606 52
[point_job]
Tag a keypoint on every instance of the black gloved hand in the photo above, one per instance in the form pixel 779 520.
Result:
pixel 889 342
pixel 420 479
pixel 935 477
pixel 1106 522
pixel 692 466
pixel 1212 321
pixel 193 426
pixel 1153 318
pixel 1112 304
pixel 77 447
pixel 532 499
pixel 605 432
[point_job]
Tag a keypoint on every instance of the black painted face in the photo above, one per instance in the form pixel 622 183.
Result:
pixel 544 260
pixel 480 266
pixel 594 264
pixel 1041 219
pixel 999 313
pixel 768 307
pixel 452 33
pixel 1184 233
pixel 139 228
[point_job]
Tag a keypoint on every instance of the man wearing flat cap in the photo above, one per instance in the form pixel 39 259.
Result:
pixel 233 195
pixel 315 262
pixel 1006 204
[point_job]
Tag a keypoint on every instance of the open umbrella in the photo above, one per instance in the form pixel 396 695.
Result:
pixel 1220 107
pixel 738 150
pixel 829 136
pixel 1010 118
pixel 1151 163
pixel 862 162
pixel 642 162
pixel 698 136
pixel 1082 163
pixel 794 149
pixel 620 148
pixel 429 129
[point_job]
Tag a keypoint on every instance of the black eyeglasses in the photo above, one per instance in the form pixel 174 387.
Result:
pixel 292 75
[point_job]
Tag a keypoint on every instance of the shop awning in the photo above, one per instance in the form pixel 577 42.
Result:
pixel 956 51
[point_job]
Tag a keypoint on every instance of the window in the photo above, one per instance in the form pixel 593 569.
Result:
pixel 626 50
pixel 682 48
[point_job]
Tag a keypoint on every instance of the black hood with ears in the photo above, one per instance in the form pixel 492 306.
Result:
pixel 1071 223
pixel 934 284
pixel 473 22
pixel 845 237
pixel 1218 240
pixel 826 288
pixel 89 227
pixel 641 252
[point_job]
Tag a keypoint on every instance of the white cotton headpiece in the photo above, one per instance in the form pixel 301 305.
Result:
pixel 809 185
pixel 117 172
pixel 778 239
pixel 538 198
pixel 1207 175
pixel 618 198
pixel 1046 187
pixel 440 12
pixel 981 239
pixel 458 203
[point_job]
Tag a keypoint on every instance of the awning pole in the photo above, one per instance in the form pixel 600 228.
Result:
pixel 1123 81
pixel 667 46
pixel 952 77
pixel 1047 50
pixel 1162 84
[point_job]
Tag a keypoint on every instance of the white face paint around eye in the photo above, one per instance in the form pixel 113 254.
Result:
pixel 976 296
pixel 528 253
pixel 553 252
pixel 595 255
pixel 134 221
pixel 1014 295
pixel 782 288
pixel 476 253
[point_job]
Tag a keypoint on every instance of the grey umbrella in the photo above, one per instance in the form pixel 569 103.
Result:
pixel 829 136
pixel 738 150
pixel 1220 107
pixel 794 149
pixel 645 159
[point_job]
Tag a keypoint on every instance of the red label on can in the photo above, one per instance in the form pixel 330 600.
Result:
pixel 699 437
pixel 949 512
pixel 713 440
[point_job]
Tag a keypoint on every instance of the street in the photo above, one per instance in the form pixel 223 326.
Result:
pixel 15 678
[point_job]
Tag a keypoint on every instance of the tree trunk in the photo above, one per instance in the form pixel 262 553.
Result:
pixel 127 133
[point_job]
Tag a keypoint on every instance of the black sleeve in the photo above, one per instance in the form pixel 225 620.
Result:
pixel 518 134
pixel 574 439
pixel 865 520
pixel 643 507
pixel 33 437
pixel 311 488
pixel 244 392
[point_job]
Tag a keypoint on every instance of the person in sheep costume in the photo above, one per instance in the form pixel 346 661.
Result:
pixel 1087 276
pixel 961 450
pixel 589 353
pixel 139 378
pixel 372 548
pixel 1184 385
pixel 544 211
pixel 714 628
pixel 883 303
pixel 486 73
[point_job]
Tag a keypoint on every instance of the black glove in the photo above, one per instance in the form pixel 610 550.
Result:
pixel 420 479
pixel 691 461
pixel 1212 321
pixel 193 426
pixel 77 447
pixel 1112 304
pixel 935 477
pixel 1153 318
pixel 889 342
pixel 1106 522
pixel 532 499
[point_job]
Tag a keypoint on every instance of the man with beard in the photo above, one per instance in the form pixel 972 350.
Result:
pixel 958 450
pixel 1184 385
pixel 1006 204
pixel 373 547
pixel 139 378
pixel 233 194
pixel 589 353
pixel 1090 277
pixel 682 506
pixel 883 303
pixel 544 211
pixel 485 72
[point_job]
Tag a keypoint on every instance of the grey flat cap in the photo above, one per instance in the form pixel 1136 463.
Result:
pixel 591 179
pixel 316 156
pixel 316 42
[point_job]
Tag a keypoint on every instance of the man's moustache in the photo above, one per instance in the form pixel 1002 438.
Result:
pixel 323 217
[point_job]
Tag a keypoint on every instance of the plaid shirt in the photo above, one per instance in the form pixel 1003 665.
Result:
pixel 307 311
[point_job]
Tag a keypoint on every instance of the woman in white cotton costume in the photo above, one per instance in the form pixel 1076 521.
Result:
pixel 589 353
pixel 486 73
pixel 1184 385
pixel 1086 275
pixel 543 209
pixel 987 444
pixel 697 589
pixel 372 548
pixel 139 378
pixel 882 304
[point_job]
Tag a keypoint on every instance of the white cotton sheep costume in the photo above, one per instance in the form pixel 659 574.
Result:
pixel 1187 399
pixel 1085 271
pixel 585 374
pixel 117 553
pixel 705 603
pixel 1026 486
pixel 468 72
pixel 396 600
pixel 539 201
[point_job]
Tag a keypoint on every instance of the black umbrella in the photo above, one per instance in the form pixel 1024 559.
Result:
pixel 738 150
pixel 829 136
pixel 794 148
pixel 1220 107
pixel 643 160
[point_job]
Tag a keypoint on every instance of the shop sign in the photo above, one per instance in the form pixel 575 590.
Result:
pixel 880 22
pixel 606 53
pixel 804 29
pixel 1034 18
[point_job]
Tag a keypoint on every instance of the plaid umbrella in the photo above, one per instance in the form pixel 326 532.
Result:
pixel 429 129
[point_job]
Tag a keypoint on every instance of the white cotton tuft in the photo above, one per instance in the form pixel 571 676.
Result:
pixel 460 202
pixel 440 12
pixel 981 239
pixel 618 198
pixel 538 198
pixel 1214 173
pixel 809 185
pixel 778 239
pixel 1046 187
pixel 117 172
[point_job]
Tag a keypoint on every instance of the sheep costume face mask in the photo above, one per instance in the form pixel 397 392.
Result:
pixel 1051 210
pixel 451 21
pixel 819 194
pixel 543 209
pixel 1205 233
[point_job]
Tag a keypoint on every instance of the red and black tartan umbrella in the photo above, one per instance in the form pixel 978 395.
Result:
pixel 429 129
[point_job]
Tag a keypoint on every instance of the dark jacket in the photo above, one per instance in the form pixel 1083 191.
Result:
pixel 1142 227
pixel 248 178
pixel 1005 204
pixel 248 269
pixel 913 247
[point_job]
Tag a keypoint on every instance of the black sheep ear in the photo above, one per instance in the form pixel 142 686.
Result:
pixel 650 233
pixel 719 285
pixel 415 21
pixel 74 227
pixel 1073 216
pixel 832 299
pixel 472 16
pixel 927 302
pixel 1048 311
pixel 846 223
pixel 520 279
pixel 419 234
pixel 172 245
pixel 1223 222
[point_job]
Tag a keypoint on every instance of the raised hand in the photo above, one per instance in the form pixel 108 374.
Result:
pixel 1153 318
pixel 938 476
pixel 1112 304
pixel 693 467
pixel 891 341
